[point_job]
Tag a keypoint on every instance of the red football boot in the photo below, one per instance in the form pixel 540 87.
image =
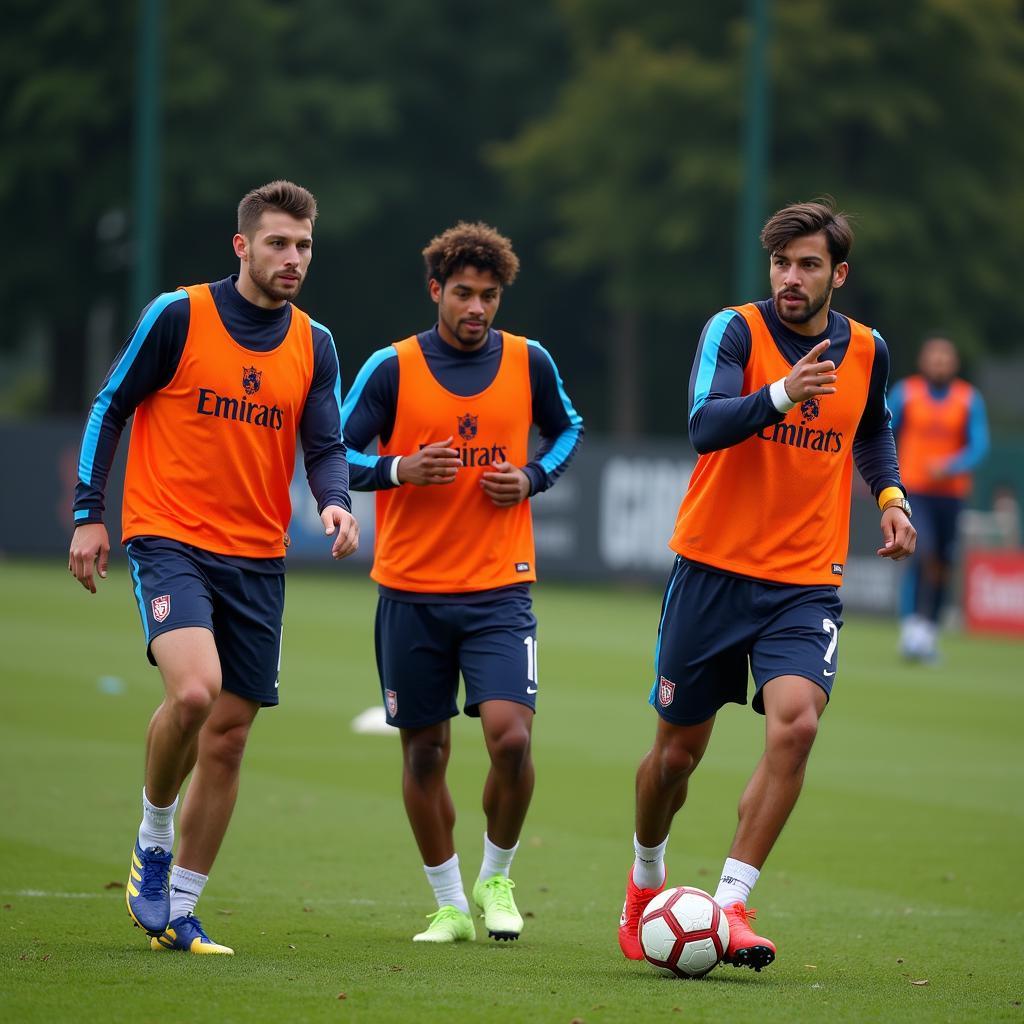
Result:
pixel 745 948
pixel 632 910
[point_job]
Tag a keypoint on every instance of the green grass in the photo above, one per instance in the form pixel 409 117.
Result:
pixel 901 864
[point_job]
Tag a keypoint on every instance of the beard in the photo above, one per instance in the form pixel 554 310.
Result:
pixel 812 306
pixel 464 336
pixel 275 291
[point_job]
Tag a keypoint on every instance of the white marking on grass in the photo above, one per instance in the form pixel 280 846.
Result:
pixel 43 894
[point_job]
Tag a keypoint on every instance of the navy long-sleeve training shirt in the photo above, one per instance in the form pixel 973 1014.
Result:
pixel 369 408
pixel 720 416
pixel 149 360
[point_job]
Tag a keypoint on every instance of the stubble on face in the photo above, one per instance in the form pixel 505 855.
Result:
pixel 810 308
pixel 269 282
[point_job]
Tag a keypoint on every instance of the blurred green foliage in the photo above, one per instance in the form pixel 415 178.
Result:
pixel 603 137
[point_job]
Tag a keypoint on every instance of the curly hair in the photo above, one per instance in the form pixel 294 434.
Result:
pixel 802 219
pixel 281 195
pixel 477 245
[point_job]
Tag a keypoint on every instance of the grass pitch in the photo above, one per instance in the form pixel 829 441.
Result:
pixel 893 895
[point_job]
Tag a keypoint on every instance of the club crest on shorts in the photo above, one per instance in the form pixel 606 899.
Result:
pixel 666 692
pixel 391 699
pixel 161 607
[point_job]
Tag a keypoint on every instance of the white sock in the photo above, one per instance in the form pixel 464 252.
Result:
pixel 446 881
pixel 496 860
pixel 186 888
pixel 649 864
pixel 157 828
pixel 736 882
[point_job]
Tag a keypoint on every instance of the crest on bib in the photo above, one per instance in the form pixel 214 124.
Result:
pixel 810 410
pixel 251 378
pixel 467 426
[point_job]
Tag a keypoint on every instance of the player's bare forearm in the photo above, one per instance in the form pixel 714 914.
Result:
pixel 90 548
pixel 506 485
pixel 898 534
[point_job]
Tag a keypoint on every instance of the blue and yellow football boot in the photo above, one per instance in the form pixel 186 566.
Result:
pixel 148 893
pixel 186 935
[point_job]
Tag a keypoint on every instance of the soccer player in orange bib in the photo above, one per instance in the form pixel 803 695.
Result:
pixel 785 396
pixel 941 435
pixel 221 378
pixel 452 409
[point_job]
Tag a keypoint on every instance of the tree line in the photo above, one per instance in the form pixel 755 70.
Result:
pixel 602 136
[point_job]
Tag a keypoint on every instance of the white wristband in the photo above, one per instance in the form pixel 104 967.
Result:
pixel 394 470
pixel 777 393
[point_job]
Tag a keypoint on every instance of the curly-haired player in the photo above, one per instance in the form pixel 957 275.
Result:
pixel 452 408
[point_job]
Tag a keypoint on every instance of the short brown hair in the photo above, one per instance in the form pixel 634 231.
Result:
pixel 285 196
pixel 476 245
pixel 801 219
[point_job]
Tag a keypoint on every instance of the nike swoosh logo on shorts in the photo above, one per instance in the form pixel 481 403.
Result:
pixel 531 689
pixel 826 671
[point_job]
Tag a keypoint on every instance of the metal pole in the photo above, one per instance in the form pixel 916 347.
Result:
pixel 147 163
pixel 749 257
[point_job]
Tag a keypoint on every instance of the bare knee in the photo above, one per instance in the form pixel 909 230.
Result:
pixel 425 758
pixel 795 736
pixel 510 750
pixel 191 704
pixel 675 761
pixel 227 746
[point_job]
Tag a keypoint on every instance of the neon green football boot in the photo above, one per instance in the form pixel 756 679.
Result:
pixel 501 916
pixel 448 924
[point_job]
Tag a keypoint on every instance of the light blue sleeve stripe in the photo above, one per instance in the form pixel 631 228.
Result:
pixel 337 375
pixel 382 355
pixel 709 357
pixel 83 513
pixel 138 591
pixel 566 441
pixel 885 389
pixel 124 364
pixel 358 458
pixel 894 403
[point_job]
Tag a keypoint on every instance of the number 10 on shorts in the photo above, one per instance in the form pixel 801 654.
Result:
pixel 833 633
pixel 530 643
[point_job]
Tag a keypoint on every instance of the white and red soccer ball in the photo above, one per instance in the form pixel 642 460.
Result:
pixel 683 932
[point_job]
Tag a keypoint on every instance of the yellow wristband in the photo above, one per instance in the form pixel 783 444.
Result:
pixel 888 495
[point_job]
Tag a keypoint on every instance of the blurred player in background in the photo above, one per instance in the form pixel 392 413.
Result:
pixel 221 377
pixel 941 434
pixel 785 396
pixel 452 408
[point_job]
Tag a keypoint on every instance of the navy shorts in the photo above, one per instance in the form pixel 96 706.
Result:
pixel 713 625
pixel 422 648
pixel 935 518
pixel 177 585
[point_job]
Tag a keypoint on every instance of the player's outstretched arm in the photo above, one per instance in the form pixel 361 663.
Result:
pixel 90 547
pixel 505 484
pixel 899 535
pixel 434 463
pixel 334 517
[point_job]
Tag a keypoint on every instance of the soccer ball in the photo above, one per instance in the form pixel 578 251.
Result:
pixel 683 932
